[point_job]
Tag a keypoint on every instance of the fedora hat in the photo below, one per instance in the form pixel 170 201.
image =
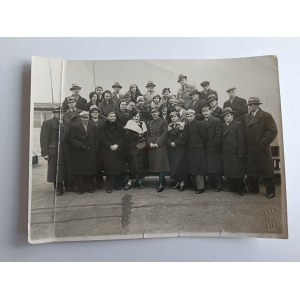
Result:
pixel 204 83
pixel 117 84
pixel 180 77
pixel 227 110
pixel 150 83
pixel 254 100
pixel 75 86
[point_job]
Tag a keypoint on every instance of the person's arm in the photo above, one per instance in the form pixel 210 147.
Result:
pixel 271 130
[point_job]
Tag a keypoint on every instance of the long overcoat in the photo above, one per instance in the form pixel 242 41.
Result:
pixel 261 131
pixel 157 134
pixel 70 119
pixel 214 145
pixel 51 141
pixel 196 153
pixel 84 161
pixel 239 105
pixel 233 144
pixel 184 93
pixel 111 133
pixel 177 133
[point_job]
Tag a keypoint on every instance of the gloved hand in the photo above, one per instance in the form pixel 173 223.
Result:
pixel 84 148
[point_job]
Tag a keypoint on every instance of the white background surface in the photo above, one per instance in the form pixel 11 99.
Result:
pixel 14 124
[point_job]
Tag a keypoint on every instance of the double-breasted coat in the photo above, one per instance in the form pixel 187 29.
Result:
pixel 239 105
pixel 51 141
pixel 184 93
pixel 81 103
pixel 204 95
pixel 195 150
pixel 261 130
pixel 214 145
pixel 157 134
pixel 84 143
pixel 111 133
pixel 177 133
pixel 233 145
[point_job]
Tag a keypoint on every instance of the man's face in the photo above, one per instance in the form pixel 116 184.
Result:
pixel 72 104
pixel 84 119
pixel 232 94
pixel 150 88
pixel 112 117
pixel 107 96
pixel 154 114
pixel 228 118
pixel 117 89
pixel 123 106
pixel 133 88
pixel 95 114
pixel 253 107
pixel 206 112
pixel 99 91
pixel 183 81
pixel 206 88
pixel 141 102
pixel 156 100
pixel 172 99
pixel 164 110
pixel 213 103
pixel 58 116
pixel 195 97
pixel 166 94
pixel 190 117
pixel 76 92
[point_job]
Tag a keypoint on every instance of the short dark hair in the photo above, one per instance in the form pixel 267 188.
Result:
pixel 106 92
pixel 91 95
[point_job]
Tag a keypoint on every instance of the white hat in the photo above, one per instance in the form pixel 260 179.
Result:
pixel 84 113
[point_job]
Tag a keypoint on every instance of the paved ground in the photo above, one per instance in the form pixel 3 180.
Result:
pixel 146 213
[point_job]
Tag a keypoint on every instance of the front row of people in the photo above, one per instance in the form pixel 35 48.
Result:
pixel 192 151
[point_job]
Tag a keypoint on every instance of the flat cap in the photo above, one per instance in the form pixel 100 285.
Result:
pixel 75 86
pixel 190 112
pixel 84 113
pixel 117 84
pixel 231 89
pixel 211 97
pixel 204 83
pixel 94 107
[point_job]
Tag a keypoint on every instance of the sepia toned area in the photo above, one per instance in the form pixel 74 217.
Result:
pixel 144 213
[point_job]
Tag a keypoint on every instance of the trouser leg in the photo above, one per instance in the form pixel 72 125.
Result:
pixel 81 183
pixel 109 182
pixel 99 180
pixel 269 185
pixel 253 184
pixel 218 180
pixel 239 185
pixel 89 180
pixel 199 180
pixel 231 185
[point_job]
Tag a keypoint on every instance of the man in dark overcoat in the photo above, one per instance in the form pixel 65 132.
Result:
pixel 80 101
pixel 112 138
pixel 216 111
pixel 196 154
pixel 107 105
pixel 116 95
pixel 234 150
pixel 123 115
pixel 237 104
pixel 71 117
pixel 51 141
pixel 83 138
pixel 156 140
pixel 213 148
pixel 185 90
pixel 261 130
pixel 207 91
pixel 197 104
pixel 95 120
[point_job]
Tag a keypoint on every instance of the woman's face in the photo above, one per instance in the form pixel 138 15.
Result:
pixel 94 98
pixel 133 88
pixel 136 118
pixel 156 100
pixel 166 94
pixel 174 118
pixel 172 99
pixel 164 110
pixel 112 117
pixel 141 102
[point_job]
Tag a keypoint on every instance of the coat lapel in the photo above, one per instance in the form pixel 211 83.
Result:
pixel 228 128
pixel 253 120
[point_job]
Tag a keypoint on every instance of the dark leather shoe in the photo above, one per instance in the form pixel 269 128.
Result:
pixel 127 187
pixel 140 186
pixel 59 193
pixel 79 192
pixel 176 186
pixel 241 193
pixel 181 188
pixel 160 188
pixel 91 191
pixel 108 191
pixel 271 195
pixel 199 191
pixel 156 185
pixel 218 190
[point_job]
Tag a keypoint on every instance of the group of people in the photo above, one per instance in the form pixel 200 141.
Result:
pixel 185 135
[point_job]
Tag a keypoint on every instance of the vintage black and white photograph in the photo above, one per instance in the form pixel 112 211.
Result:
pixel 126 149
